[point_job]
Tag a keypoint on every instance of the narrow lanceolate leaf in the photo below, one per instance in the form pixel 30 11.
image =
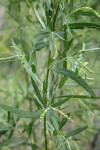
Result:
pixel 59 36
pixel 24 44
pixel 21 113
pixel 63 122
pixel 54 122
pixel 39 19
pixel 16 144
pixel 78 79
pixel 83 25
pixel 61 102
pixel 86 11
pixel 28 69
pixel 12 142
pixel 39 46
pixel 38 94
pixel 75 132
pixel 30 128
pixel 67 44
pixel 62 82
pixel 78 96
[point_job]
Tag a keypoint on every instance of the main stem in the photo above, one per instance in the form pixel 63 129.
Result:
pixel 45 134
pixel 30 106
pixel 48 64
pixel 45 120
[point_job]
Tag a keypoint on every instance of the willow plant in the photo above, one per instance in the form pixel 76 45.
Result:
pixel 57 23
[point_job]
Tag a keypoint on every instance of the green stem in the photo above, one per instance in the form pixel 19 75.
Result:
pixel 48 69
pixel 29 97
pixel 47 76
pixel 56 14
pixel 31 109
pixel 45 134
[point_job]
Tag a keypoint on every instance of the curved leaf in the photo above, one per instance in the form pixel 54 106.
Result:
pixel 78 79
pixel 82 25
pixel 87 11
pixel 38 94
pixel 28 69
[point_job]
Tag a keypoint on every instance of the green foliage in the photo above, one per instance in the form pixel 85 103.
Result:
pixel 53 70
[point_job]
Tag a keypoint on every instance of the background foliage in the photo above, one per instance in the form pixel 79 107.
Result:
pixel 44 47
